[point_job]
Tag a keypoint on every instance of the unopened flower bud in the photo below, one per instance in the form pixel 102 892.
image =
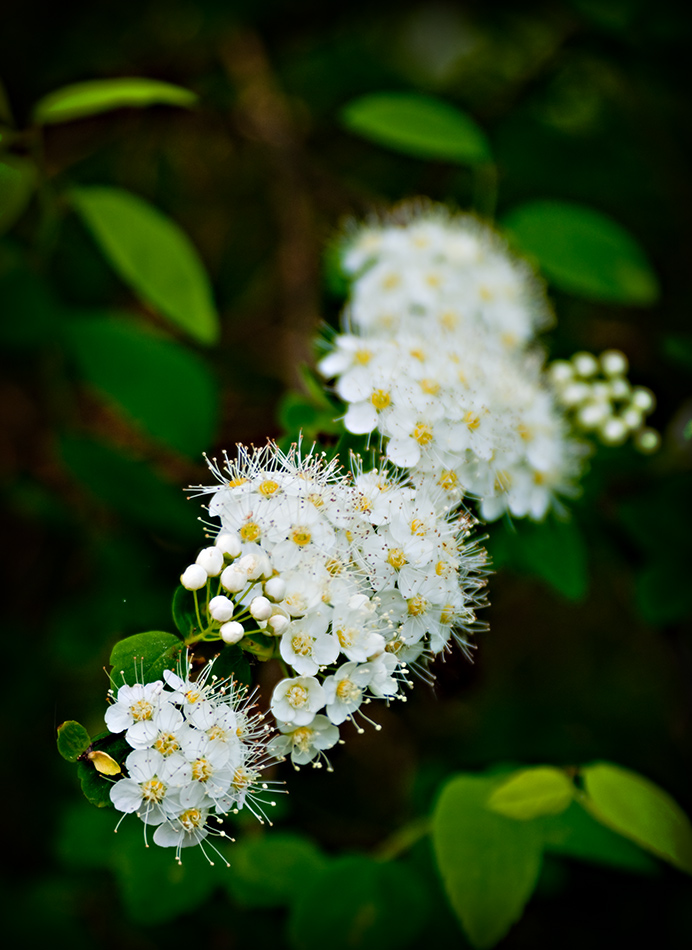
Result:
pixel 619 388
pixel 275 588
pixel 592 414
pixel 278 624
pixel 574 394
pixel 647 440
pixel 232 632
pixel 229 544
pixel 561 372
pixel 221 608
pixel 194 577
pixel 643 399
pixel 633 418
pixel 614 363
pixel 211 559
pixel 613 431
pixel 585 364
pixel 261 608
pixel 233 580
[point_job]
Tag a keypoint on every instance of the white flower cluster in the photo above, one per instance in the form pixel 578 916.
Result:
pixel 601 400
pixel 438 362
pixel 361 575
pixel 198 751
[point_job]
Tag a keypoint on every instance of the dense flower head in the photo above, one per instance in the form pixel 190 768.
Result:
pixel 199 748
pixel 366 571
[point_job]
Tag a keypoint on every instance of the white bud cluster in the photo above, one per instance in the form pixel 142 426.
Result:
pixel 438 362
pixel 199 748
pixel 598 396
pixel 354 576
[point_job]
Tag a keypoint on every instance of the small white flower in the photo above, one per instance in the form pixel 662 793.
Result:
pixel 297 700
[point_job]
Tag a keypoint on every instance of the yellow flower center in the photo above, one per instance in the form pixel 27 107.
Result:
pixel 217 732
pixel 333 567
pixel 301 738
pixel 418 354
pixel 363 357
pixel 448 614
pixel 346 638
pixel 316 500
pixel 301 536
pixel 448 480
pixel 268 487
pixel 191 819
pixel 237 482
pixel 396 558
pixel 302 644
pixel 202 770
pixel 250 531
pixel 142 709
pixel 423 433
pixel 418 527
pixel 472 420
pixel 154 790
pixel 449 319
pixel 380 399
pixel 166 743
pixel 391 281
pixel 417 606
pixel 296 696
pixel 430 386
pixel 347 691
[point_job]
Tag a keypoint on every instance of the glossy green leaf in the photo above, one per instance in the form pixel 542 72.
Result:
pixel 531 793
pixel 73 740
pixel 553 550
pixel 153 256
pixel 272 871
pixel 636 808
pixel 417 125
pixel 183 611
pixel 102 95
pixel 489 863
pixel 584 252
pixel 232 661
pixel 96 787
pixel 142 658
pixel 161 386
pixel 358 903
pixel 576 834
pixel 17 183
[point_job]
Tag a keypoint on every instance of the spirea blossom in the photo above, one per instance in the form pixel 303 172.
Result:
pixel 438 363
pixel 199 748
pixel 350 577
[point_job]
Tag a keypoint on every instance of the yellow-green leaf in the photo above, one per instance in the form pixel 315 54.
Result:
pixel 17 182
pixel 532 793
pixel 636 808
pixel 73 740
pixel 102 95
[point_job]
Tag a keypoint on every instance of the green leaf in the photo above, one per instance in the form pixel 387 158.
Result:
pixel 553 550
pixel 260 645
pixel 639 810
pixel 102 95
pixel 143 657
pixel 161 385
pixel 96 787
pixel 575 834
pixel 531 793
pixel 183 610
pixel 272 871
pixel 417 125
pixel 358 903
pixel 489 864
pixel 233 662
pixel 73 740
pixel 153 256
pixel 584 252
pixel 17 183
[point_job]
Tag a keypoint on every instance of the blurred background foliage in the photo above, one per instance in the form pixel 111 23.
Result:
pixel 108 401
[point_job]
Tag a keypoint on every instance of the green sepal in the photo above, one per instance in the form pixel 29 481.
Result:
pixel 183 610
pixel 262 646
pixel 233 662
pixel 143 657
pixel 73 740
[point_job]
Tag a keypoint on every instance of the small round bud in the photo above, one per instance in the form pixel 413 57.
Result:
pixel 233 580
pixel 613 431
pixel 211 559
pixel 647 440
pixel 600 392
pixel 592 414
pixel 232 632
pixel 619 388
pixel 560 373
pixel 614 363
pixel 221 608
pixel 261 608
pixel 275 588
pixel 643 399
pixel 194 577
pixel 229 544
pixel 585 364
pixel 633 418
pixel 278 624
pixel 574 394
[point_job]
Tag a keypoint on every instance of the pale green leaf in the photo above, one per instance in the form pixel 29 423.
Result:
pixel 102 95
pixel 17 183
pixel 532 793
pixel 73 740
pixel 489 863
pixel 161 386
pixel 584 252
pixel 417 125
pixel 153 256
pixel 636 808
